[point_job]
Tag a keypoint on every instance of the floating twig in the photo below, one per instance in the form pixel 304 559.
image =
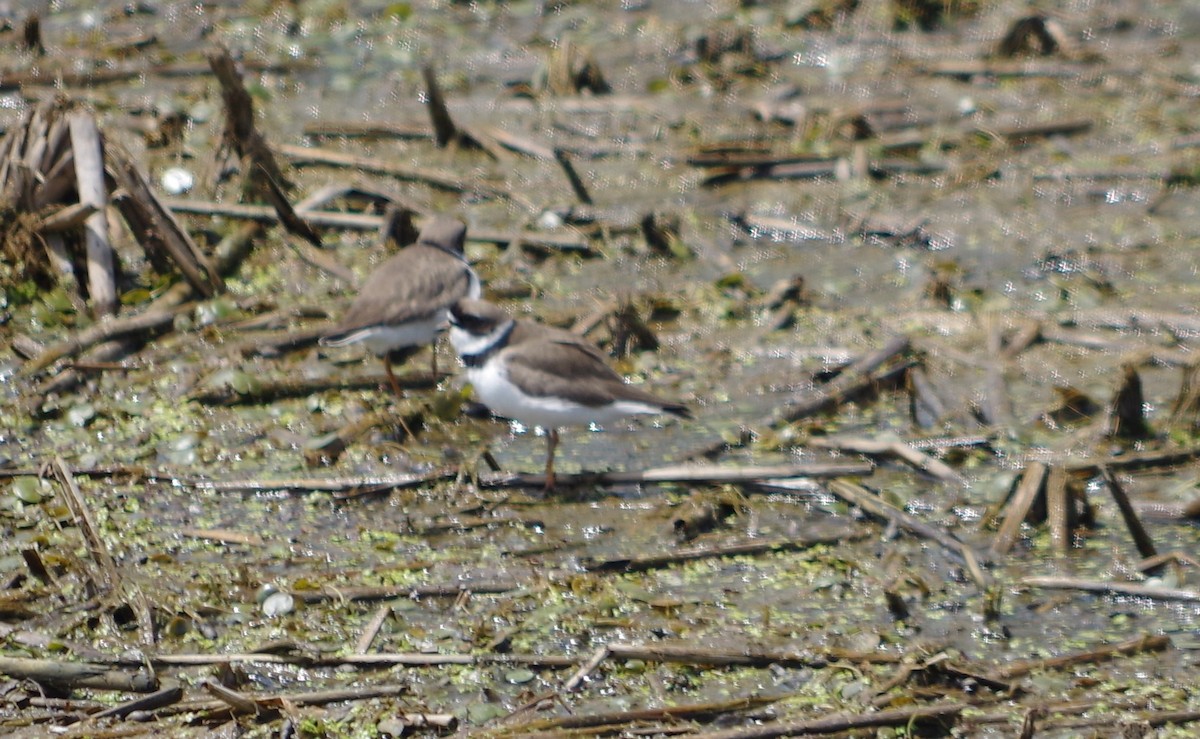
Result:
pixel 314 698
pixel 468 523
pixel 695 711
pixel 154 701
pixel 937 668
pixel 102 331
pixel 1147 643
pixel 371 630
pixel 940 715
pixel 851 380
pixel 1135 460
pixel 330 446
pixel 288 216
pixel 684 474
pixel 53 76
pixel 1132 318
pixel 367 129
pixel 224 536
pixel 1136 590
pixel 1151 564
pixel 586 669
pixel 1154 718
pixel 859 496
pixel 693 654
pixel 895 448
pixel 1028 333
pixel 856 378
pixel 519 144
pixel 78 675
pixel 319 485
pixel 385 592
pixel 1159 511
pixel 240 703
pixel 376 659
pixel 301 156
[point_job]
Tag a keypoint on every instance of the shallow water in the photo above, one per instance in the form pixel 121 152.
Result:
pixel 1054 230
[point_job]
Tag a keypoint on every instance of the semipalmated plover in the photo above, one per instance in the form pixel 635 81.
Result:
pixel 543 376
pixel 404 304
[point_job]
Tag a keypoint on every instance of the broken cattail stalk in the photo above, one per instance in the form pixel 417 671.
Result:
pixel 1185 412
pixel 1058 510
pixel 996 408
pixel 67 218
pixel 240 131
pixel 444 130
pixel 1019 507
pixel 1141 538
pixel 89 181
pixel 577 185
pixel 157 230
pixel 1127 415
pixel 397 225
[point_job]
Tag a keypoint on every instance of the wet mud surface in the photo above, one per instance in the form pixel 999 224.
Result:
pixel 778 190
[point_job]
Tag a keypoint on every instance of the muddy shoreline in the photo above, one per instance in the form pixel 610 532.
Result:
pixel 925 278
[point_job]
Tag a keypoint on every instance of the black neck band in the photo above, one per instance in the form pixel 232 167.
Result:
pixel 478 360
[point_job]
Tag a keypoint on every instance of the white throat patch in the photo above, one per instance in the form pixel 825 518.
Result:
pixel 468 344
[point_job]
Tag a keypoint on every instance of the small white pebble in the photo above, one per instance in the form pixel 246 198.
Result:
pixel 177 180
pixel 278 604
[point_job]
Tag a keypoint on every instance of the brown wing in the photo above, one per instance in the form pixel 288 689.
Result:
pixel 414 284
pixel 562 365
pixel 526 330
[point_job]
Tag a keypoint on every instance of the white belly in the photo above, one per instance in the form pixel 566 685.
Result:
pixel 382 339
pixel 493 389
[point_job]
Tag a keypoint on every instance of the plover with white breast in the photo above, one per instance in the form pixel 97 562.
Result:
pixel 405 303
pixel 543 376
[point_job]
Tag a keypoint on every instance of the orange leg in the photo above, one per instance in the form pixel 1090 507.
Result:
pixel 387 365
pixel 551 445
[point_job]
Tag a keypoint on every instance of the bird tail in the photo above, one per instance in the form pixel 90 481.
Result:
pixel 333 340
